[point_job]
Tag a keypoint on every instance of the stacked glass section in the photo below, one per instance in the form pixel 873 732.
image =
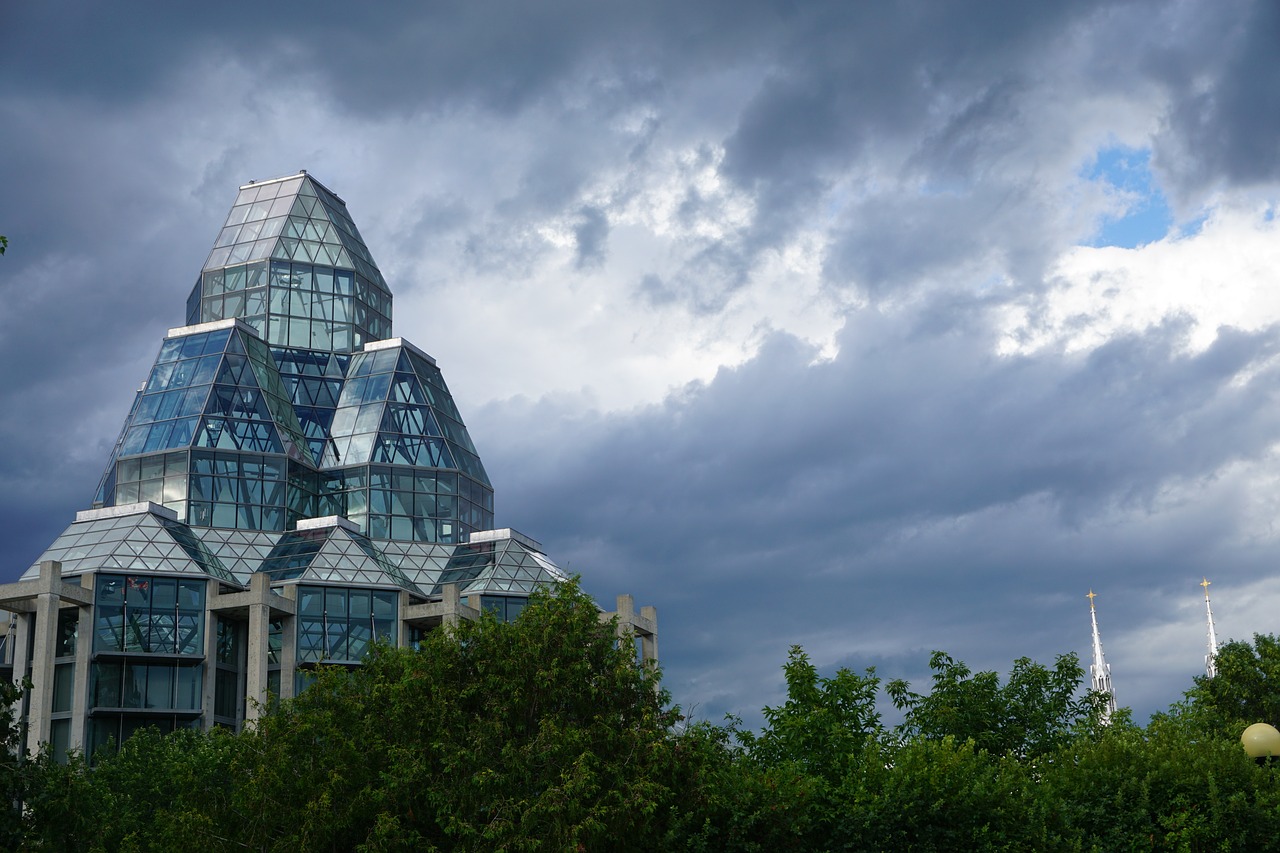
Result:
pixel 285 398
pixel 290 482
pixel 292 264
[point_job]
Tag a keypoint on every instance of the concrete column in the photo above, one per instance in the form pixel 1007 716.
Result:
pixel 402 626
pixel 42 655
pixel 626 616
pixel 20 633
pixel 649 642
pixel 84 652
pixel 452 600
pixel 209 682
pixel 288 646
pixel 255 676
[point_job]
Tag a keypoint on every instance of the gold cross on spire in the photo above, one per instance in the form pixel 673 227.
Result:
pixel 1091 596
pixel 1205 583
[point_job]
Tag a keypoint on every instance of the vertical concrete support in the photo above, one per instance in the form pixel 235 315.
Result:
pixel 402 626
pixel 649 642
pixel 452 599
pixel 626 616
pixel 210 680
pixel 84 651
pixel 255 676
pixel 42 653
pixel 20 632
pixel 288 647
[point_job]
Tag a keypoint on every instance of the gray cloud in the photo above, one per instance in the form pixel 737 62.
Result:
pixel 915 491
pixel 851 501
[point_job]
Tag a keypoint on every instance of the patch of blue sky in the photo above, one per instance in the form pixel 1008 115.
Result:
pixel 1146 217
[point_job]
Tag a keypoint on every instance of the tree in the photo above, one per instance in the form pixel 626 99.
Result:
pixel 157 793
pixel 823 723
pixel 12 764
pixel 1246 689
pixel 544 732
pixel 1037 710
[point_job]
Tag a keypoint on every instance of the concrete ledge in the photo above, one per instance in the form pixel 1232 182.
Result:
pixel 506 533
pixel 324 522
pixel 393 343
pixel 211 326
pixel 126 509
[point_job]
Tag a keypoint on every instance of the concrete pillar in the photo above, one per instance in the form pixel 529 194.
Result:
pixel 288 646
pixel 255 675
pixel 20 632
pixel 209 681
pixel 42 654
pixel 402 626
pixel 452 600
pixel 84 651
pixel 626 616
pixel 649 642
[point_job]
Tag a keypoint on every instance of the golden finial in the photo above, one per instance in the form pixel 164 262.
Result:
pixel 1091 596
pixel 1205 583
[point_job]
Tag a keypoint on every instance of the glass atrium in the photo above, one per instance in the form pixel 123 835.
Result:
pixel 291 484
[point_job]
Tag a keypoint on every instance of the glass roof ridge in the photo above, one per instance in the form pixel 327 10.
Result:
pixel 300 173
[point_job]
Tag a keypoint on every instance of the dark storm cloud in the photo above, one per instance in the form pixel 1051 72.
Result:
pixel 915 492
pixel 908 472
pixel 1225 119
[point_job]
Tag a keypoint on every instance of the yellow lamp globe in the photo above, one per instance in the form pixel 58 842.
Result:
pixel 1261 740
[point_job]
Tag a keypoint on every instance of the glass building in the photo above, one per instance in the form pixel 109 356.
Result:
pixel 291 484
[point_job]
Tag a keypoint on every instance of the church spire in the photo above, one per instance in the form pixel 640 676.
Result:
pixel 1211 659
pixel 1100 670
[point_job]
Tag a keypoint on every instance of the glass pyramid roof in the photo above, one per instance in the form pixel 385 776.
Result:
pixel 396 409
pixel 214 386
pixel 500 562
pixel 138 538
pixel 333 554
pixel 295 218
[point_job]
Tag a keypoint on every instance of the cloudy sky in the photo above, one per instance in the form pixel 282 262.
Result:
pixel 872 328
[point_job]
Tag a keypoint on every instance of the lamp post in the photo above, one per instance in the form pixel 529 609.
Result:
pixel 1261 742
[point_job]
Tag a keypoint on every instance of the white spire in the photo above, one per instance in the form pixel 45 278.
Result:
pixel 1100 671
pixel 1211 659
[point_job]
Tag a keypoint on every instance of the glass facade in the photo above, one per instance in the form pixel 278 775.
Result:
pixel 339 624
pixel 290 478
pixel 147 658
pixel 151 615
pixel 285 408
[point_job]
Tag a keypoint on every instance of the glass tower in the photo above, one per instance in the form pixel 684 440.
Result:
pixel 286 398
pixel 291 484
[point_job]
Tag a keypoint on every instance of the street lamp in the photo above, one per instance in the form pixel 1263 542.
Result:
pixel 1261 741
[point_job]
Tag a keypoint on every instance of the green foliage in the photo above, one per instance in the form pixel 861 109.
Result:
pixel 937 795
pixel 1246 689
pixel 4 243
pixel 12 765
pixel 823 724
pixel 158 793
pixel 1164 787
pixel 545 734
pixel 1038 710
pixel 539 733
